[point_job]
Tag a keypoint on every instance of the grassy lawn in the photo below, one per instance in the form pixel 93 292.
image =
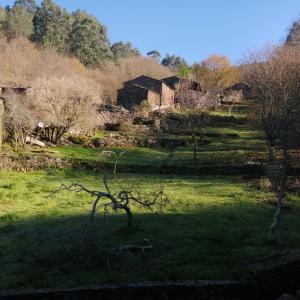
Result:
pixel 210 228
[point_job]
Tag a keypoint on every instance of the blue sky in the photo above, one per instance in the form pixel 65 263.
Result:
pixel 193 29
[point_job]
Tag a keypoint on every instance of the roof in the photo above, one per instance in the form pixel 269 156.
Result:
pixel 172 81
pixel 138 86
pixel 148 82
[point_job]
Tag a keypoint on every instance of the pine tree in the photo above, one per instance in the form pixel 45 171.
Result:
pixel 18 19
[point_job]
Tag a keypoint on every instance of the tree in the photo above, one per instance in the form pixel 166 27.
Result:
pixel 63 105
pixel 215 74
pixel 19 118
pixel 121 200
pixel 293 38
pixel 2 18
pixel 28 5
pixel 123 50
pixel 196 122
pixel 88 40
pixel 18 22
pixel 274 75
pixel 18 19
pixel 154 54
pixel 52 26
pixel 174 62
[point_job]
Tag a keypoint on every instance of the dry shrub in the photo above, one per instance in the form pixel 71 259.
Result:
pixel 64 93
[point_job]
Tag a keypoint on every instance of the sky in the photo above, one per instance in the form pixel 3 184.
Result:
pixel 193 29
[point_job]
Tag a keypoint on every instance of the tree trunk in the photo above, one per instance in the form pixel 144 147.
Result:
pixel 195 146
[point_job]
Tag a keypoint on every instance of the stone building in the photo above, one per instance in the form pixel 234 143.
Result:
pixel 144 88
pixel 177 83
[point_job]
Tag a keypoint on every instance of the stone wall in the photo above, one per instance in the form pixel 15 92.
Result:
pixel 167 96
pixel 153 99
pixel 132 95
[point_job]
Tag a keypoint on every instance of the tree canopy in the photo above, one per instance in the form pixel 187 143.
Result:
pixel 52 26
pixel 88 40
pixel 293 37
pixel 174 62
pixel 17 20
pixel 215 73
pixel 124 50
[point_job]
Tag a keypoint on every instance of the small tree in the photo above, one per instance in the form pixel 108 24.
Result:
pixel 121 200
pixel 19 119
pixel 123 50
pixel 193 123
pixel 274 76
pixel 215 74
pixel 64 105
pixel 174 62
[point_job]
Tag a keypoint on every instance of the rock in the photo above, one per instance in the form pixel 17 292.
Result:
pixel 33 141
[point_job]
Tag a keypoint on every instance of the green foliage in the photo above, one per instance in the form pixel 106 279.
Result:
pixel 293 37
pixel 184 71
pixel 2 17
pixel 124 50
pixel 88 40
pixel 174 62
pixel 154 54
pixel 17 20
pixel 28 5
pixel 52 26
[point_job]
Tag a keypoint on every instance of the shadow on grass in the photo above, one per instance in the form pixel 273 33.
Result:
pixel 209 243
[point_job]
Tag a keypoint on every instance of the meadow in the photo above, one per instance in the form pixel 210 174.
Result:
pixel 211 227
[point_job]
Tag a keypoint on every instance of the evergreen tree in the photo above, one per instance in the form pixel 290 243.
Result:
pixel 293 37
pixel 88 40
pixel 28 5
pixel 52 26
pixel 123 50
pixel 154 54
pixel 2 17
pixel 18 19
pixel 174 62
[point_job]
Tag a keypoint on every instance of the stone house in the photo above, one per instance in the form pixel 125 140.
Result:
pixel 241 88
pixel 177 83
pixel 144 88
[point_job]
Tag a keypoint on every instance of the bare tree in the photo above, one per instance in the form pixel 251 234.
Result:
pixel 20 118
pixel 63 104
pixel 121 200
pixel 274 76
pixel 186 98
pixel 193 123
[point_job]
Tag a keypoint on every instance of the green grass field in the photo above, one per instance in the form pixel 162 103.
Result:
pixel 210 228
